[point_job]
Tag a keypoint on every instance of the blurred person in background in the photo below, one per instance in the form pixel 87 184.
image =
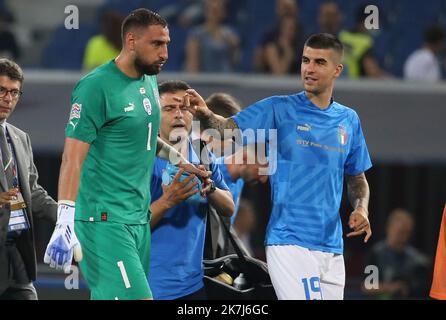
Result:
pixel 329 18
pixel 423 64
pixel 21 197
pixel 359 59
pixel 213 46
pixel 105 46
pixel 403 270
pixel 9 47
pixel 245 223
pixel 284 41
pixel 282 54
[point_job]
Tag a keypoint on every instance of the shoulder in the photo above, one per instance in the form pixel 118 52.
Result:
pixel 278 101
pixel 16 131
pixel 18 134
pixel 96 78
pixel 348 112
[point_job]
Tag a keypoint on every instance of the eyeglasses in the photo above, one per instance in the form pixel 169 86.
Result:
pixel 15 93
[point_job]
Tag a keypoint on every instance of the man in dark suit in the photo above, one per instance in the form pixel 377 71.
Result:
pixel 21 197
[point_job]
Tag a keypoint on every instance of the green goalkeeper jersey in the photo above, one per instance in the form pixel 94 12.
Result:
pixel 119 117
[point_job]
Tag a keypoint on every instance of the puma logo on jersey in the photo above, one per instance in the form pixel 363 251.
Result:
pixel 71 123
pixel 305 127
pixel 130 107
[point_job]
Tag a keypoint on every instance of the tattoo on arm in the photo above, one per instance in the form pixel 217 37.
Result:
pixel 219 123
pixel 358 191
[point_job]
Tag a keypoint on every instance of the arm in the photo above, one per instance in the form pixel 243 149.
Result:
pixel 192 55
pixel 209 120
pixel 222 201
pixel 169 153
pixel 64 243
pixel 359 194
pixel 75 152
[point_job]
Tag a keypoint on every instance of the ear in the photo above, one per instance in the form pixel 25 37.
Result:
pixel 338 70
pixel 130 41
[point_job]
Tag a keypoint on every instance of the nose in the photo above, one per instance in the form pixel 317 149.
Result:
pixel 164 54
pixel 310 67
pixel 178 113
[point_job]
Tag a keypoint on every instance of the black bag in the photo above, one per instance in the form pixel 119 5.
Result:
pixel 237 276
pixel 242 277
pixel 252 284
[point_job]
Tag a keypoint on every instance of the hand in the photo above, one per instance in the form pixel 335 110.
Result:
pixel 200 173
pixel 63 243
pixel 178 191
pixel 207 182
pixel 359 222
pixel 196 104
pixel 6 197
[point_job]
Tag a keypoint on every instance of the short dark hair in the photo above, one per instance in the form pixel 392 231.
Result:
pixel 325 41
pixel 172 86
pixel 11 69
pixel 223 104
pixel 141 18
pixel 434 34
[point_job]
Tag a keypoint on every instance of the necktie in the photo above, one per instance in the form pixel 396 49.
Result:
pixel 6 157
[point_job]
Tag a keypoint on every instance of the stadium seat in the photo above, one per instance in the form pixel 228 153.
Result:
pixel 66 49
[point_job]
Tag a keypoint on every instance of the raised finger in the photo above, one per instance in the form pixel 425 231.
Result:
pixel 186 181
pixel 190 193
pixel 368 235
pixel 177 176
pixel 355 233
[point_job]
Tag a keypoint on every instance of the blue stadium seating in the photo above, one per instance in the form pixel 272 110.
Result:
pixel 66 49
pixel 401 30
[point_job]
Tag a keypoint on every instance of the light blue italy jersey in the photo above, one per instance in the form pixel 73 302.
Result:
pixel 315 148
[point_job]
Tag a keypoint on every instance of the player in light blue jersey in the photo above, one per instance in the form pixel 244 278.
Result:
pixel 319 143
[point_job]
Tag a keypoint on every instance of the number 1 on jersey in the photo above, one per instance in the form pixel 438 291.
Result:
pixel 149 136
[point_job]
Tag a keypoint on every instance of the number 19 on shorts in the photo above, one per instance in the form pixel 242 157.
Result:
pixel 312 287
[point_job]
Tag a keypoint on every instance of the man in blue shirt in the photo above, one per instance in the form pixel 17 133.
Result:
pixel 178 224
pixel 319 142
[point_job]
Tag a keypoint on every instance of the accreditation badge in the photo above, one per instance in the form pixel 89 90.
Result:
pixel 18 219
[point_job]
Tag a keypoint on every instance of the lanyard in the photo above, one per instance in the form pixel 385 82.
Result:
pixel 12 161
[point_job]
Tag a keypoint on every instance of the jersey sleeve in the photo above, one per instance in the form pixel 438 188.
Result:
pixel 259 115
pixel 88 112
pixel 358 159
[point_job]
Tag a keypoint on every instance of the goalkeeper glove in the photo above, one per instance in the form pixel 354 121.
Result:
pixel 63 243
